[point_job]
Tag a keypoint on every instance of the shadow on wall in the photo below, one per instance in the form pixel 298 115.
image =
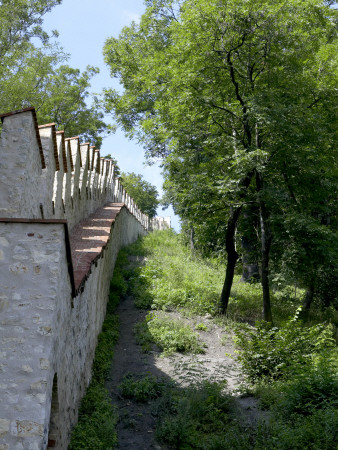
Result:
pixel 63 218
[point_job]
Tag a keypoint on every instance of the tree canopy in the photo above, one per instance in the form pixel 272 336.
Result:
pixel 143 193
pixel 65 102
pixel 239 98
pixel 33 73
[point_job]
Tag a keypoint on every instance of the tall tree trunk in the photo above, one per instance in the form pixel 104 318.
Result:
pixel 265 249
pixel 308 298
pixel 250 268
pixel 192 238
pixel 249 240
pixel 232 257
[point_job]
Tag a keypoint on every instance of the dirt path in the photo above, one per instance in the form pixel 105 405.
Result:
pixel 136 424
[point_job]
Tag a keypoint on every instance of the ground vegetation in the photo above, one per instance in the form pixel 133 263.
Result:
pixel 285 390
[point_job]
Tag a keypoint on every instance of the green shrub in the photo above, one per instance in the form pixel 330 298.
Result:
pixel 140 288
pixel 105 348
pixel 170 335
pixel 318 431
pixel 268 394
pixel 273 353
pixel 97 421
pixel 314 387
pixel 118 284
pixel 196 417
pixel 143 336
pixel 141 388
pixel 201 327
pixel 137 248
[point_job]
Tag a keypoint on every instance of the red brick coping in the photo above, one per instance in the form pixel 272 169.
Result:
pixel 86 243
pixel 89 238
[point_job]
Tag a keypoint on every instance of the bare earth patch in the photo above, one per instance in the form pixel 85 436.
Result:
pixel 136 425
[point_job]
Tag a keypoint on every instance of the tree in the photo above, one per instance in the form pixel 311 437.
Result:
pixel 117 171
pixel 65 102
pixel 246 86
pixel 31 76
pixel 142 192
pixel 20 21
pixel 23 66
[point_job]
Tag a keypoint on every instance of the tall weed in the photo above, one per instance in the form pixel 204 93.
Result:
pixel 199 417
pixel 96 427
pixel 317 431
pixel 168 334
pixel 314 387
pixel 272 353
pixel 174 278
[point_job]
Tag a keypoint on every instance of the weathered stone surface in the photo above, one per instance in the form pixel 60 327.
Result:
pixel 26 428
pixel 4 427
pixel 48 329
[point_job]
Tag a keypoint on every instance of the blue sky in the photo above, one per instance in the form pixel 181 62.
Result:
pixel 83 27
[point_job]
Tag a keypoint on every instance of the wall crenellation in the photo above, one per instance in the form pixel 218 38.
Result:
pixel 55 168
pixel 64 215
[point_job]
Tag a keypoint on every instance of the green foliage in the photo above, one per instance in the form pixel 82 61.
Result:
pixel 31 74
pixel 97 417
pixel 317 431
pixel 144 193
pixel 20 21
pixel 142 388
pixel 229 93
pixel 304 409
pixel 118 284
pixel 292 368
pixel 105 348
pixel 272 353
pixel 143 336
pixel 65 102
pixel 168 334
pixel 245 302
pixel 97 421
pixel 315 387
pixel 302 405
pixel 137 249
pixel 174 278
pixel 24 67
pixel 201 326
pixel 199 417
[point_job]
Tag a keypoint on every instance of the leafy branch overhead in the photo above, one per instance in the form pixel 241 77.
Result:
pixel 34 74
pixel 238 99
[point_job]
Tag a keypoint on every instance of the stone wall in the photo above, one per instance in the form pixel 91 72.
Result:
pixel 64 217
pixel 160 223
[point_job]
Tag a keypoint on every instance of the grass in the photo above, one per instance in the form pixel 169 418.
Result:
pixel 174 279
pixel 168 334
pixel 96 427
pixel 142 387
pixel 292 369
pixel 198 417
